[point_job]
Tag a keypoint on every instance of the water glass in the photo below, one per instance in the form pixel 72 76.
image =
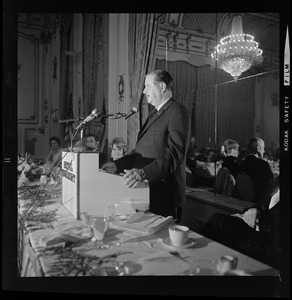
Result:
pixel 99 226
pixel 114 207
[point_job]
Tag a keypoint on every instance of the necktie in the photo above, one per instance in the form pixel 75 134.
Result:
pixel 151 115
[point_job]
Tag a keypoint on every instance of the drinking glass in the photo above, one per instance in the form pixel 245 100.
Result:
pixel 99 226
pixel 114 207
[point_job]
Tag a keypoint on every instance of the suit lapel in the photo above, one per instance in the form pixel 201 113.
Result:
pixel 148 122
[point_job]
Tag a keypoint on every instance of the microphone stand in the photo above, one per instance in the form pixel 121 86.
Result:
pixel 117 115
pixel 71 120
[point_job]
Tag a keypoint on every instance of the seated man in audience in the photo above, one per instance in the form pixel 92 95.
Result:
pixel 257 168
pixel 92 142
pixel 256 232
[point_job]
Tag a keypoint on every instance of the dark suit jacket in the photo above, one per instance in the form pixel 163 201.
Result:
pixel 270 218
pixel 231 163
pixel 260 173
pixel 160 151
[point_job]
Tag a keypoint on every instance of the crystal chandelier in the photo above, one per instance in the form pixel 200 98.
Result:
pixel 238 51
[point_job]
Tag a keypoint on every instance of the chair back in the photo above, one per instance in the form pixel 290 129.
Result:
pixel 245 187
pixel 225 182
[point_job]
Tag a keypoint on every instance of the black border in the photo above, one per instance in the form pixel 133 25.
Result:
pixel 198 286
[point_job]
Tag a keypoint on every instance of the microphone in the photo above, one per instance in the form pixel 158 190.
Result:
pixel 117 115
pixel 94 114
pixel 132 112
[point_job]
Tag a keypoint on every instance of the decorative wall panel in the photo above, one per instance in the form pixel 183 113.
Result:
pixel 28 80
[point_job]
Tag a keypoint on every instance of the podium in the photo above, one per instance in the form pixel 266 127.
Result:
pixel 86 189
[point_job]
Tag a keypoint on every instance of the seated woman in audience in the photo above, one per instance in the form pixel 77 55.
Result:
pixel 118 148
pixel 54 157
pixel 230 152
pixel 255 232
pixel 242 155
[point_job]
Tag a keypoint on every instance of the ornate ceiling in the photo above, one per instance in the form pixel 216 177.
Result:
pixel 263 26
pixel 193 36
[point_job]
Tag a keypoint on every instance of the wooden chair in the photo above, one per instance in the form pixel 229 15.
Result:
pixel 245 187
pixel 224 182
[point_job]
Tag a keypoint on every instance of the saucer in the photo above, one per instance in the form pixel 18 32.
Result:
pixel 189 243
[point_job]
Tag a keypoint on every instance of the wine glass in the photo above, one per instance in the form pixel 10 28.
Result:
pixel 114 207
pixel 99 226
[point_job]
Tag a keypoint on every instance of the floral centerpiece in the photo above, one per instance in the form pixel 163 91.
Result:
pixel 27 170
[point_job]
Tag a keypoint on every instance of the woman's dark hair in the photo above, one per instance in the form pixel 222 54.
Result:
pixel 54 138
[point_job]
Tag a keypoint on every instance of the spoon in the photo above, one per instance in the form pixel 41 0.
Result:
pixel 176 254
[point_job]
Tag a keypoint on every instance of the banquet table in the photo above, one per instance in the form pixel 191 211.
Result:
pixel 130 253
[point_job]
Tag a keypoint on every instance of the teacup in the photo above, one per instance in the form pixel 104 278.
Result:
pixel 178 234
pixel 226 263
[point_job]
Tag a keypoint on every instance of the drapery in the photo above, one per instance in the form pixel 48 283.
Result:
pixel 95 72
pixel 143 29
pixel 66 68
pixel 194 87
pixel 93 65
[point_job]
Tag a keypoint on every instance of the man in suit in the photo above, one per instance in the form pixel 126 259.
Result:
pixel 160 152
pixel 257 168
pixel 92 144
pixel 255 232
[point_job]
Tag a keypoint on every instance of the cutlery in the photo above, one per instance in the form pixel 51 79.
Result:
pixel 176 254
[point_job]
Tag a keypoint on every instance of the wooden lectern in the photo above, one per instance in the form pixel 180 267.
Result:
pixel 86 189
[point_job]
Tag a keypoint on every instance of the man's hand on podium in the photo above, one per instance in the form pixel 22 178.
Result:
pixel 109 167
pixel 133 177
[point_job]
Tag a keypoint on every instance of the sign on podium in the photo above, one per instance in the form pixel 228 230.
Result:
pixel 86 189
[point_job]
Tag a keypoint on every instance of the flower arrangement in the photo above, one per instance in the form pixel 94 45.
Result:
pixel 27 169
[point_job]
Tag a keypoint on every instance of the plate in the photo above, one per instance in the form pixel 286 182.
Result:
pixel 189 243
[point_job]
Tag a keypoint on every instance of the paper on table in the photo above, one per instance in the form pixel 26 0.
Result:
pixel 161 263
pixel 144 222
pixel 67 232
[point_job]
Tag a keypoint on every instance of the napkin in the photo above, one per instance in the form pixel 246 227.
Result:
pixel 144 222
pixel 67 232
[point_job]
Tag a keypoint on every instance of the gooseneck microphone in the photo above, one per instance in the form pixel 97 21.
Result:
pixel 95 114
pixel 132 112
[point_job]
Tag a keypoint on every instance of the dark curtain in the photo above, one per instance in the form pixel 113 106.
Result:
pixel 143 30
pixel 95 72
pixel 66 68
pixel 92 65
pixel 194 87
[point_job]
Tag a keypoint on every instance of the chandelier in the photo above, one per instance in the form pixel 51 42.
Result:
pixel 238 51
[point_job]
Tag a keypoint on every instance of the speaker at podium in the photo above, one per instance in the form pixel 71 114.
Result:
pixel 86 189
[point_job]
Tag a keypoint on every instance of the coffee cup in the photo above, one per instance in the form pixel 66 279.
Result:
pixel 178 234
pixel 226 263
